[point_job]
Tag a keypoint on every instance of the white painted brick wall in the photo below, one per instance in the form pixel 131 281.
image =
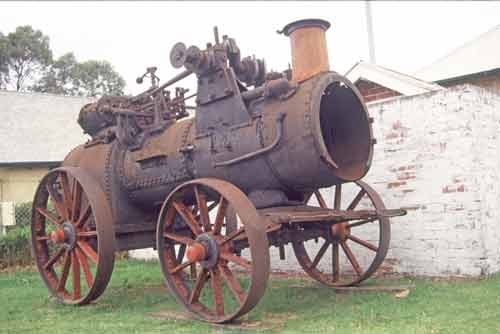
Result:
pixel 438 156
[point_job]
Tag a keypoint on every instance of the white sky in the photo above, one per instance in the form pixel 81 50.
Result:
pixel 134 35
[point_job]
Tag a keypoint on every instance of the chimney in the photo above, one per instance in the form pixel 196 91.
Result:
pixel 309 51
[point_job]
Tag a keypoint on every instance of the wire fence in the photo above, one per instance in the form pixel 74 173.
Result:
pixel 15 239
pixel 22 212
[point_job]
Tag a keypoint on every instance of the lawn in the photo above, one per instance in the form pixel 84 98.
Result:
pixel 137 302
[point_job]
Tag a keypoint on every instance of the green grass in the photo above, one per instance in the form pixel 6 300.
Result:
pixel 136 296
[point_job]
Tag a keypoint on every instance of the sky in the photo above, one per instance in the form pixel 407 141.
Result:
pixel 134 35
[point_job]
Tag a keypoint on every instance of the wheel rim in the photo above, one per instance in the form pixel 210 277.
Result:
pixel 72 237
pixel 194 217
pixel 347 242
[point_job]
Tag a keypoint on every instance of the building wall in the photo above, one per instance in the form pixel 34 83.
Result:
pixel 18 184
pixel 437 156
pixel 373 92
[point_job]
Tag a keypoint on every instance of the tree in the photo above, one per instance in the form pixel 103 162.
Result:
pixel 4 67
pixel 90 78
pixel 28 52
pixel 26 64
pixel 97 78
pixel 59 77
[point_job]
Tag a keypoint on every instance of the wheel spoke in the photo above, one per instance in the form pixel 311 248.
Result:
pixel 215 281
pixel 87 234
pixel 363 243
pixel 49 216
pixel 54 258
pixel 351 258
pixel 58 205
pixel 335 262
pixel 179 238
pixel 87 250
pixel 320 199
pixel 236 259
pixel 192 269
pixel 320 254
pixel 209 209
pixel 76 275
pixel 182 251
pixel 85 266
pixel 221 213
pixel 212 206
pixel 188 217
pixel 67 202
pixel 361 222
pixel 180 267
pixel 64 273
pixel 337 199
pixel 84 217
pixel 198 286
pixel 233 235
pixel 232 283
pixel 77 199
pixel 202 206
pixel 356 200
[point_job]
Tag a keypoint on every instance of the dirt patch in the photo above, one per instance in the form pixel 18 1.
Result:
pixel 272 322
pixel 375 288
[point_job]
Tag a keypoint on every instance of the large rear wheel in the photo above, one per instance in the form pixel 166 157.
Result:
pixel 201 252
pixel 72 235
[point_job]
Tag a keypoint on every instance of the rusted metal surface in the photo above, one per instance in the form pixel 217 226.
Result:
pixel 214 191
pixel 309 50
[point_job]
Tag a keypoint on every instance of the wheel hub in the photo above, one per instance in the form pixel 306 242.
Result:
pixel 65 235
pixel 339 231
pixel 204 250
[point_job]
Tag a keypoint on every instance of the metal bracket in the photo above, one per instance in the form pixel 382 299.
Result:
pixel 279 127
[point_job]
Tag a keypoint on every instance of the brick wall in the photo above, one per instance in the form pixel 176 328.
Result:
pixel 373 92
pixel 438 155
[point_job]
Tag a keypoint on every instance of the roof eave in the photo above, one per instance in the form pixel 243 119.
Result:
pixel 31 164
pixel 477 75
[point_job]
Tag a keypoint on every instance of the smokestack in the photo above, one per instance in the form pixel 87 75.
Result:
pixel 309 51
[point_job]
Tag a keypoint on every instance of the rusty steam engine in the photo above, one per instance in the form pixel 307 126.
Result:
pixel 213 192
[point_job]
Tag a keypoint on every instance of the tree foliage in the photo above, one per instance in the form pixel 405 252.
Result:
pixel 28 52
pixel 94 78
pixel 26 63
pixel 89 78
pixel 58 78
pixel 4 67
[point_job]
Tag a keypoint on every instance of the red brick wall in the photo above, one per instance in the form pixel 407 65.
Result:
pixel 373 92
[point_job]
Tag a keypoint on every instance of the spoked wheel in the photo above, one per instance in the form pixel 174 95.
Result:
pixel 349 252
pixel 72 235
pixel 201 254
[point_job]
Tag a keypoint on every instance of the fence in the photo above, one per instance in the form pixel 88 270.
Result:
pixel 15 221
pixel 14 214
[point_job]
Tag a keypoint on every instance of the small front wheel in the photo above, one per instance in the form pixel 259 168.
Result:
pixel 349 252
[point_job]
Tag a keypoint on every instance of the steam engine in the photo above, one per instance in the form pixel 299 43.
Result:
pixel 273 135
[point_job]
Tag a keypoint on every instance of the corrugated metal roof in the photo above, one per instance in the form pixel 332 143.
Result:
pixel 478 55
pixel 37 127
pixel 399 82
